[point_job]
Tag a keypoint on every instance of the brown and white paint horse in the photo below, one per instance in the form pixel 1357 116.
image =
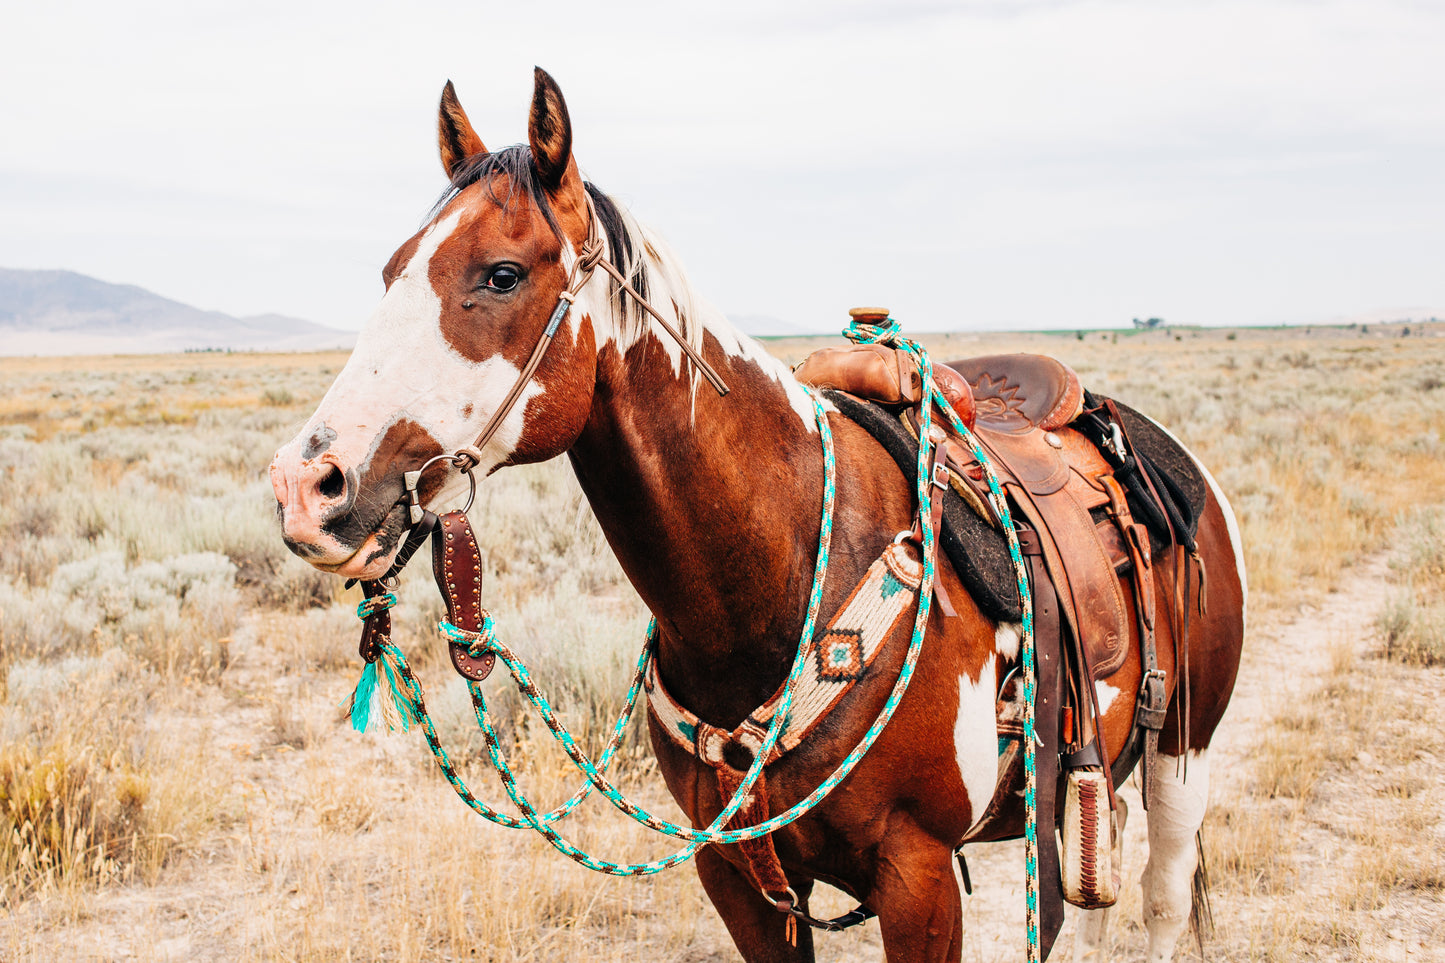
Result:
pixel 711 504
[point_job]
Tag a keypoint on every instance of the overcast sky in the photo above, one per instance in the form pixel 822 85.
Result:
pixel 967 164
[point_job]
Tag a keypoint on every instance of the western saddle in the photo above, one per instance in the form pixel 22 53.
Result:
pixel 1059 454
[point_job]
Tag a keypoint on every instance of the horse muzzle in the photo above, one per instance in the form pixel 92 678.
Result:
pixel 318 506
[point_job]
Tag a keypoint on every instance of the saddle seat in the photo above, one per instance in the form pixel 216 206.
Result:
pixel 1022 392
pixel 1055 477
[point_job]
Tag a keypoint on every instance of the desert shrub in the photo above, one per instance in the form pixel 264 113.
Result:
pixel 1413 632
pixel 1412 621
pixel 66 817
pixel 87 795
pixel 174 615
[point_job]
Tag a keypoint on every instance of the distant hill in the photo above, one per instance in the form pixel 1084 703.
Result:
pixel 61 312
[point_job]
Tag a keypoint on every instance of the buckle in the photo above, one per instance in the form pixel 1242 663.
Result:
pixel 1153 702
pixel 940 475
pixel 1115 442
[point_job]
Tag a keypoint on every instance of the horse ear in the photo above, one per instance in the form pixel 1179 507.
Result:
pixel 550 132
pixel 454 132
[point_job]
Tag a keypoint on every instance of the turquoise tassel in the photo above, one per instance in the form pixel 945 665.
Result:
pixel 389 707
pixel 400 711
pixel 361 698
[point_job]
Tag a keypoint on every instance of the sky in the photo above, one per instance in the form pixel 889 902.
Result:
pixel 970 165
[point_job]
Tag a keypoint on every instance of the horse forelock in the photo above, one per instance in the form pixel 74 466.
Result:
pixel 513 165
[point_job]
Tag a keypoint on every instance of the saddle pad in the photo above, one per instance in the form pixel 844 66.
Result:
pixel 1183 481
pixel 978 552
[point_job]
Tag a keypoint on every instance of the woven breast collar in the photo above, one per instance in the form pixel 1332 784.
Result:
pixel 838 658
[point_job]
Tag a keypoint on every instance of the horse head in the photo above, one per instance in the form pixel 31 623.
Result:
pixel 466 300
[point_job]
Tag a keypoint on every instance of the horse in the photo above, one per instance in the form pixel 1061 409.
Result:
pixel 710 503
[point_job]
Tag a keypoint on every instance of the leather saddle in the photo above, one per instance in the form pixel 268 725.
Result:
pixel 1020 407
pixel 1055 478
pixel 1064 459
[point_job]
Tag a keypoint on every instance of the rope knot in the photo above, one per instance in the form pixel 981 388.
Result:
pixel 862 332
pixel 477 643
pixel 375 604
pixel 590 255
pixel 466 458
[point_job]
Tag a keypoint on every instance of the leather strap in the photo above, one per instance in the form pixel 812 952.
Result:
pixel 457 567
pixel 762 858
pixel 376 627
pixel 1048 627
pixel 1152 703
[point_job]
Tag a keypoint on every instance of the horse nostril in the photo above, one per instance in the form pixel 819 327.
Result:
pixel 333 483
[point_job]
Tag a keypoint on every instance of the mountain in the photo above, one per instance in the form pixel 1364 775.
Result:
pixel 61 312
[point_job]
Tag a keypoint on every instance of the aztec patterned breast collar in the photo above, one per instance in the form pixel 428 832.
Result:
pixel 838 658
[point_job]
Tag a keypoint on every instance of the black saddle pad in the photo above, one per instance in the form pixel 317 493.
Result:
pixel 978 552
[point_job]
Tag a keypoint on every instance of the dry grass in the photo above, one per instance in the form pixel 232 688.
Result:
pixel 193 794
pixel 1330 848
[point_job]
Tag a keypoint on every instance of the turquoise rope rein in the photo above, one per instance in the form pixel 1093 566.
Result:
pixel 409 697
pixel 889 334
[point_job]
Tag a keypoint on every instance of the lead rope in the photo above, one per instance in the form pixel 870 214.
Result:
pixel 410 692
pixel 888 333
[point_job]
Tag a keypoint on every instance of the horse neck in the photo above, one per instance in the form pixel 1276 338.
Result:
pixel 711 504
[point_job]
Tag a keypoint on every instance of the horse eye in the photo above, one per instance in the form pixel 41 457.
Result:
pixel 503 278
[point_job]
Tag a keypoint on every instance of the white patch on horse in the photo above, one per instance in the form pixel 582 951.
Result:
pixel 1107 694
pixel 403 367
pixel 736 344
pixel 1007 637
pixel 975 737
pixel 1231 525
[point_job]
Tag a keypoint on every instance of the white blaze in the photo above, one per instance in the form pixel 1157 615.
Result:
pixel 403 367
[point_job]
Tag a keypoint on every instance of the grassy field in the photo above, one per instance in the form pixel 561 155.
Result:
pixel 176 781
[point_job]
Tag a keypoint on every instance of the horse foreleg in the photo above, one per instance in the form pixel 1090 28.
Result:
pixel 1094 924
pixel 758 930
pixel 1176 811
pixel 916 898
